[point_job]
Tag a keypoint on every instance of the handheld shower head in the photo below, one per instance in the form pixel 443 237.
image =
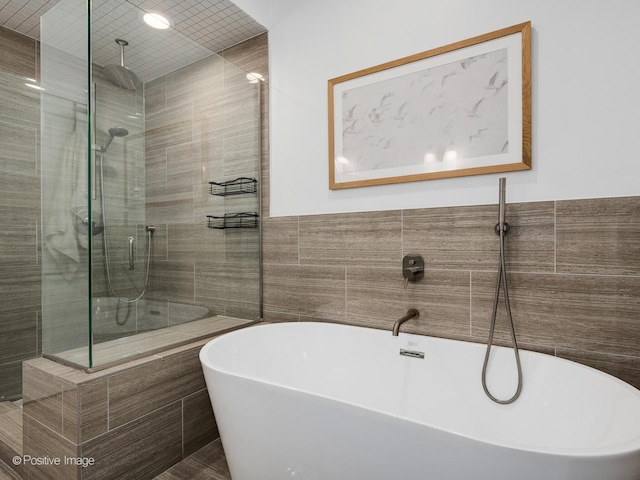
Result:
pixel 118 132
pixel 502 226
pixel 115 132
pixel 502 184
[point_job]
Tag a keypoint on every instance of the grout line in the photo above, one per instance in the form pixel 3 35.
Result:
pixel 555 237
pixel 346 289
pixel 182 423
pixel 298 229
pixel 62 408
pixel 401 234
pixel 38 152
pixel 58 434
pixel 470 302
pixel 37 336
pixel 38 262
pixel 164 95
pixel 108 404
pixel 461 270
pixel 143 416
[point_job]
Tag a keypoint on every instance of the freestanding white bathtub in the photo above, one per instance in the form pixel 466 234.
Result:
pixel 317 401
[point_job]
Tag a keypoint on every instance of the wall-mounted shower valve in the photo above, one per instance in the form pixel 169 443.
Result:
pixel 412 268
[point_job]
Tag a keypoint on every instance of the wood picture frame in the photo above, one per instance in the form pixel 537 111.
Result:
pixel 457 110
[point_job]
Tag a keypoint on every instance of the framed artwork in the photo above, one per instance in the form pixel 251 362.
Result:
pixel 461 109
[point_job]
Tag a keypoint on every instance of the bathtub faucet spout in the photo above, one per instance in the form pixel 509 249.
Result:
pixel 411 313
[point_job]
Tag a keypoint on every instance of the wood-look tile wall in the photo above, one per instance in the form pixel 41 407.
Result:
pixel 138 419
pixel 134 420
pixel 201 127
pixel 573 271
pixel 19 209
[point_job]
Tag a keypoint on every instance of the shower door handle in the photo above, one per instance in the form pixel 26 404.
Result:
pixel 131 253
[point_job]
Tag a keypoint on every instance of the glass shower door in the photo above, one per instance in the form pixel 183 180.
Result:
pixel 128 163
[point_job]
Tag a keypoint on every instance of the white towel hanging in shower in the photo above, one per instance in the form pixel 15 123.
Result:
pixel 69 197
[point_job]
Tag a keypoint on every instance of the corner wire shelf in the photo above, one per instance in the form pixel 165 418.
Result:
pixel 233 220
pixel 238 186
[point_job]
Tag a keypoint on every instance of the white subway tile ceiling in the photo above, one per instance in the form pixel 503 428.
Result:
pixel 202 27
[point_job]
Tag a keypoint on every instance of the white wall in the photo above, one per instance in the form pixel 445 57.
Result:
pixel 586 95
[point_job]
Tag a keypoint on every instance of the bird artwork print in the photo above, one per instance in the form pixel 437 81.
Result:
pixel 425 118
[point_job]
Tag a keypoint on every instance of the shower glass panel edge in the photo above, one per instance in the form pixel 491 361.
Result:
pixel 65 153
pixel 90 179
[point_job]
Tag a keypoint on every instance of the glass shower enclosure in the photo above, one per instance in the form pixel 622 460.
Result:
pixel 150 148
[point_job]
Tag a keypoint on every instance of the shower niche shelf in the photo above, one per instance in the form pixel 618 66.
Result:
pixel 233 220
pixel 237 186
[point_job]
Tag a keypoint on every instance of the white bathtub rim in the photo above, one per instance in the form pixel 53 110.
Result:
pixel 622 448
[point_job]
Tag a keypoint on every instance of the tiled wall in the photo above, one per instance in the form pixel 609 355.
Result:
pixel 134 420
pixel 137 419
pixel 190 265
pixel 19 209
pixel 574 274
pixel 201 126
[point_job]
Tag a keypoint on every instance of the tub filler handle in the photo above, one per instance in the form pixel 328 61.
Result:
pixel 411 353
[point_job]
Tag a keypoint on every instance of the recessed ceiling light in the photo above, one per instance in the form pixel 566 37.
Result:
pixel 156 20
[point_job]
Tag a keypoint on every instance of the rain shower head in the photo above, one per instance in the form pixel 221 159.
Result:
pixel 119 75
pixel 115 132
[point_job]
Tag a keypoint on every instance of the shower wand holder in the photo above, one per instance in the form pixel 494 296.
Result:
pixel 506 228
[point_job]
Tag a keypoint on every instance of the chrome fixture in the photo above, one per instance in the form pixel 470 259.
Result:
pixel 81 223
pixel 411 313
pixel 149 229
pixel 119 75
pixel 132 251
pixel 411 353
pixel 502 228
pixel 412 268
pixel 115 132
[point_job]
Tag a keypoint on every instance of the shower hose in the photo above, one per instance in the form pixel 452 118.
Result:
pixel 120 300
pixel 502 279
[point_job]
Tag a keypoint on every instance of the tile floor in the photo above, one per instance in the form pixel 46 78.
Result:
pixel 208 463
pixel 7 474
pixel 10 437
